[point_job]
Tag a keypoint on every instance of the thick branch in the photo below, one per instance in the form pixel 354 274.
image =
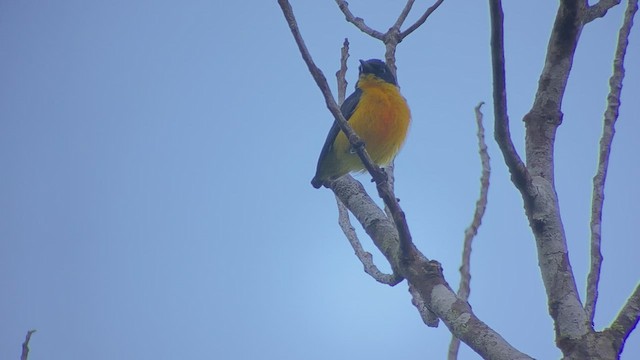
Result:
pixel 424 276
pixel 428 317
pixel 365 257
pixel 470 232
pixel 25 345
pixel 536 182
pixel 626 320
pixel 541 205
pixel 599 9
pixel 608 131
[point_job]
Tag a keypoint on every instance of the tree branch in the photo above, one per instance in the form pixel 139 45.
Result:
pixel 25 345
pixel 519 174
pixel 365 257
pixel 421 20
pixel 541 205
pixel 428 317
pixel 403 14
pixel 470 232
pixel 425 276
pixel 536 182
pixel 626 320
pixel 608 131
pixel 341 75
pixel 358 22
pixel 599 9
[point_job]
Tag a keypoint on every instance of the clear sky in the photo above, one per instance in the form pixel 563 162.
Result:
pixel 155 163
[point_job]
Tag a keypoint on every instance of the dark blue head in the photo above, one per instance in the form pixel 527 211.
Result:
pixel 377 68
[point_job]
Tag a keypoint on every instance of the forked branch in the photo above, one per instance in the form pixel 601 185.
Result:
pixel 421 20
pixel 599 9
pixel 365 257
pixel 393 36
pixel 357 21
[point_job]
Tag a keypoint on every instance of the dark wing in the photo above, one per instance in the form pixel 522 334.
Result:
pixel 347 109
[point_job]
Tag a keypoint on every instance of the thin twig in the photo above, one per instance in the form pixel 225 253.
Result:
pixel 25 345
pixel 341 75
pixel 599 9
pixel 403 14
pixel 421 20
pixel 365 257
pixel 358 22
pixel 519 173
pixel 470 232
pixel 608 131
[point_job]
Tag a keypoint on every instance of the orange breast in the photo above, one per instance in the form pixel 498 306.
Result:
pixel 381 119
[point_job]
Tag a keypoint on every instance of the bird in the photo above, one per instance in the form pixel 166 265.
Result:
pixel 378 113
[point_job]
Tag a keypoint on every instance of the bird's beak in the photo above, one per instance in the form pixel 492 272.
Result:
pixel 363 66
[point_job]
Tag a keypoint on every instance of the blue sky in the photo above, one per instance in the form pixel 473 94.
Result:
pixel 156 157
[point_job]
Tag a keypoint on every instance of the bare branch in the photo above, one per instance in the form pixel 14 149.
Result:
pixel 541 201
pixel 519 174
pixel 403 14
pixel 25 345
pixel 608 131
pixel 424 276
pixel 536 181
pixel 365 257
pixel 470 232
pixel 341 75
pixel 599 9
pixel 627 318
pixel 358 22
pixel 421 20
pixel 428 317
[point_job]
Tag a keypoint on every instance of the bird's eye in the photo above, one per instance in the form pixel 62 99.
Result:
pixel 360 68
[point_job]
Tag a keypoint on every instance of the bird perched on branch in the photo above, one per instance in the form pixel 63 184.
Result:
pixel 378 113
